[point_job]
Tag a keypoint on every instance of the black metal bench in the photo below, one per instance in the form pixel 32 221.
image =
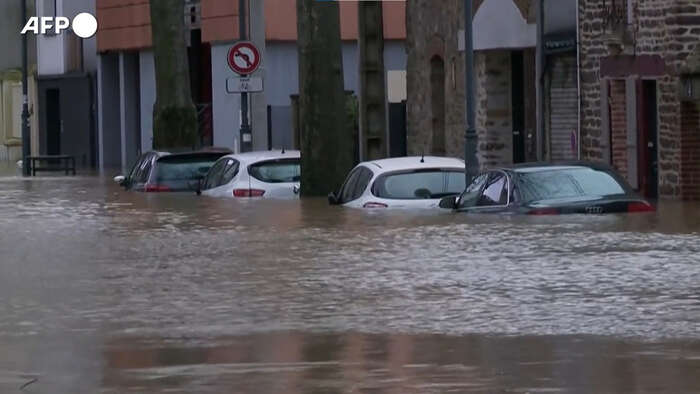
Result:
pixel 65 163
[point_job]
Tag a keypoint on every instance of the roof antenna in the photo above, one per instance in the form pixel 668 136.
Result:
pixel 282 149
pixel 422 158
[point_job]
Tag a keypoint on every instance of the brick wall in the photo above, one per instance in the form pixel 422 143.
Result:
pixel 618 126
pixel 668 28
pixel 690 150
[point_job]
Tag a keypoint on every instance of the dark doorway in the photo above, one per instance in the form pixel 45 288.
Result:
pixel 397 129
pixel 437 88
pixel 518 105
pixel 199 56
pixel 53 122
pixel 647 150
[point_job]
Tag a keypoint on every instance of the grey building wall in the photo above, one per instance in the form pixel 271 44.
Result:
pixel 71 8
pixel 10 27
pixel 130 121
pixel 109 128
pixel 147 91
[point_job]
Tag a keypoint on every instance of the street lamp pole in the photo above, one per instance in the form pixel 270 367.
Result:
pixel 246 136
pixel 470 137
pixel 26 137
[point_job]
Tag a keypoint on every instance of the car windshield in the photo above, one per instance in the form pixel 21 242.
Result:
pixel 416 185
pixel 281 171
pixel 183 169
pixel 568 183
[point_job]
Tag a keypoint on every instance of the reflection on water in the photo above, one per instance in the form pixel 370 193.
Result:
pixel 104 290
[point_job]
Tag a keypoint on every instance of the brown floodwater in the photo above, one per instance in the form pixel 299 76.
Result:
pixel 107 291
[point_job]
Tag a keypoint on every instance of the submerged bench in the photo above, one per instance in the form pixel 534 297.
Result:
pixel 65 163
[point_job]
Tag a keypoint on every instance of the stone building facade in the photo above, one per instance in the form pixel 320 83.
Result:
pixel 505 79
pixel 639 91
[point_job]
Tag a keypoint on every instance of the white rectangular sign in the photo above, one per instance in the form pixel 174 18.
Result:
pixel 239 85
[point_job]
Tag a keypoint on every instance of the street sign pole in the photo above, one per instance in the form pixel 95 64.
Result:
pixel 246 136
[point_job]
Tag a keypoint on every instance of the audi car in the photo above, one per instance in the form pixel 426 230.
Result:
pixel 549 189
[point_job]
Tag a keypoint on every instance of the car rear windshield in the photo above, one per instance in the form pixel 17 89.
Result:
pixel 417 185
pixel 183 168
pixel 568 183
pixel 276 171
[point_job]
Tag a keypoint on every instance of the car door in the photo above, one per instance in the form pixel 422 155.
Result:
pixel 355 187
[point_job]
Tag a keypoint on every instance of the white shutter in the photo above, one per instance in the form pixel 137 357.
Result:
pixel 563 104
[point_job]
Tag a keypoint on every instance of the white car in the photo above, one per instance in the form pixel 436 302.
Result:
pixel 266 174
pixel 404 182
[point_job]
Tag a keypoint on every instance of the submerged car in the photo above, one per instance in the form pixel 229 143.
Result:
pixel 549 189
pixel 266 174
pixel 166 172
pixel 404 182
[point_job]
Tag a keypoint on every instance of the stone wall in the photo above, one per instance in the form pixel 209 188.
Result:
pixel 667 28
pixel 433 31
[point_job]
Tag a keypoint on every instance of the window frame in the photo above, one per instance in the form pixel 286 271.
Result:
pixel 508 185
pixel 357 172
pixel 211 172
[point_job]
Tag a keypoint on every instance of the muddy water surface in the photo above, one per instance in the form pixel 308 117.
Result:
pixel 107 291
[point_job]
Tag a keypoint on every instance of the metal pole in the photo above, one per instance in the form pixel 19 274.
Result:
pixel 470 137
pixel 26 137
pixel 245 134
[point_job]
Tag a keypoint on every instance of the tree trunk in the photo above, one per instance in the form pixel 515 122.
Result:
pixel 174 114
pixel 326 141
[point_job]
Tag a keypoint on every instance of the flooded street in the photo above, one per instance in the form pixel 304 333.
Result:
pixel 107 291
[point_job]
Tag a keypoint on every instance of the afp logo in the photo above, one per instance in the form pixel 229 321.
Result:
pixel 84 25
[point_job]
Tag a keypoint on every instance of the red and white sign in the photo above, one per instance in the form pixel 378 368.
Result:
pixel 244 58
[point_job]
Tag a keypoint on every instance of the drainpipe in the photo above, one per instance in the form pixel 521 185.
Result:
pixel 578 83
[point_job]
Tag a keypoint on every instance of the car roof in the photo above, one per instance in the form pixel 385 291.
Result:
pixel 562 165
pixel 252 157
pixel 412 162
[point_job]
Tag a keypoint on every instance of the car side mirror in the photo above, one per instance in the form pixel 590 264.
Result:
pixel 120 180
pixel 332 199
pixel 449 202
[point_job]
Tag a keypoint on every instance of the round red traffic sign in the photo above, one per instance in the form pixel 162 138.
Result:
pixel 244 58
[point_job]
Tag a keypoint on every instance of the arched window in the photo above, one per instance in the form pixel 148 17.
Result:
pixel 437 99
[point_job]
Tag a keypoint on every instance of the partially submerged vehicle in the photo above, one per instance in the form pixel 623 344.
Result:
pixel 170 172
pixel 549 189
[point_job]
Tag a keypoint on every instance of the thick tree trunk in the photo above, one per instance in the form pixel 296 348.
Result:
pixel 326 139
pixel 174 114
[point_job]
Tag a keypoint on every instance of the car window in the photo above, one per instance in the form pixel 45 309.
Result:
pixel 182 169
pixel 135 168
pixel 144 171
pixel 276 171
pixel 214 175
pixel 423 184
pixel 495 192
pixel 348 189
pixel 568 183
pixel 230 171
pixel 471 194
pixel 362 182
